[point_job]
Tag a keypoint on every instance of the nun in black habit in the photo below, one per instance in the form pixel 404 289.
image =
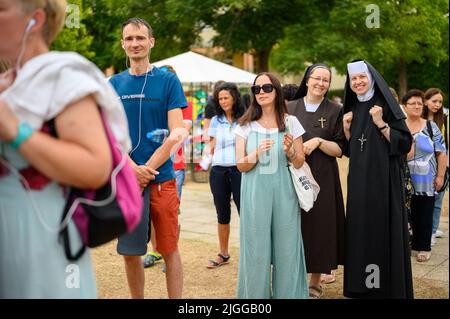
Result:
pixel 377 253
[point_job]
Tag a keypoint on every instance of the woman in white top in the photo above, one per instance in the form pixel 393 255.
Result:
pixel 45 86
pixel 271 245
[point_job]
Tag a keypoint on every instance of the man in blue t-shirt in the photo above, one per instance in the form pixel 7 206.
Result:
pixel 152 99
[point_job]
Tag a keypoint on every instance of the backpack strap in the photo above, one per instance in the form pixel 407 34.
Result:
pixel 430 132
pixel 430 129
pixel 64 233
pixel 446 130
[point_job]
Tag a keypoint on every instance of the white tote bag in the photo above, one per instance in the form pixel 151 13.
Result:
pixel 305 185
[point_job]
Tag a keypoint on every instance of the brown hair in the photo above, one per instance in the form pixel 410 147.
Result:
pixel 138 22
pixel 412 93
pixel 55 11
pixel 254 111
pixel 438 117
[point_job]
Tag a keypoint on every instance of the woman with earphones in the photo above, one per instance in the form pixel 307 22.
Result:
pixel 35 167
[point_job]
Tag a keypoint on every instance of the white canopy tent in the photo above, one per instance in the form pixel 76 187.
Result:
pixel 195 68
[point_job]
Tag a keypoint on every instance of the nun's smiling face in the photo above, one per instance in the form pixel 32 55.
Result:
pixel 319 82
pixel 359 83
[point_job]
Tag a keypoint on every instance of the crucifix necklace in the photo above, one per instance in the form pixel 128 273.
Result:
pixel 362 140
pixel 321 120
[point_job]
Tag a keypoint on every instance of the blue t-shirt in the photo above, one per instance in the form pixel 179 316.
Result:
pixel 163 92
pixel 225 147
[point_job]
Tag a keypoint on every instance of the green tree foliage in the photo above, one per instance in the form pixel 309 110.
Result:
pixel 256 26
pixel 75 36
pixel 410 32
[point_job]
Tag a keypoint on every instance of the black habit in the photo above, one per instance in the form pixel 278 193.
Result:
pixel 377 253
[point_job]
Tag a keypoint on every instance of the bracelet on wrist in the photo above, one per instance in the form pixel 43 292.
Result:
pixel 385 126
pixel 24 132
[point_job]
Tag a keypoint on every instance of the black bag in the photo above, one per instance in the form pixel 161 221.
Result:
pixel 430 132
pixel 445 185
pixel 408 186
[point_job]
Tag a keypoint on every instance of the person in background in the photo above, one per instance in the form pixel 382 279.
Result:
pixel 394 94
pixel 225 178
pixel 289 91
pixel 210 111
pixel 434 111
pixel 426 162
pixel 246 100
pixel 337 99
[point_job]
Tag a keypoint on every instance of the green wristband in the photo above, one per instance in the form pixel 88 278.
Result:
pixel 24 133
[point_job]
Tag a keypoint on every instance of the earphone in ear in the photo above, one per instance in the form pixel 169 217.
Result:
pixel 30 24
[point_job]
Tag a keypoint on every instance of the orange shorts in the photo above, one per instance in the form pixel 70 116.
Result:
pixel 164 204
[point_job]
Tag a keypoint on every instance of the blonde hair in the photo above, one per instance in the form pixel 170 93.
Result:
pixel 55 11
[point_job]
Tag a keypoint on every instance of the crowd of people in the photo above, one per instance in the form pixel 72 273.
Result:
pixel 252 143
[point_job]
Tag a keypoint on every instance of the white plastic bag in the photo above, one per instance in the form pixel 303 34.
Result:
pixel 305 185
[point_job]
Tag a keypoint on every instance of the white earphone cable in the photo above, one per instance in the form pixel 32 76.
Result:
pixel 140 114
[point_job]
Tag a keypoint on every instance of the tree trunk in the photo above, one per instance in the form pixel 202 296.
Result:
pixel 263 60
pixel 403 79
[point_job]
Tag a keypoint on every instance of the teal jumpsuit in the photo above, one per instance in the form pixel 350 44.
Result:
pixel 270 232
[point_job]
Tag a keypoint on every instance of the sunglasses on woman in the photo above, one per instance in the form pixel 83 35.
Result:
pixel 267 88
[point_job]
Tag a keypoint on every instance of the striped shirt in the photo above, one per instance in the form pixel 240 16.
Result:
pixel 423 166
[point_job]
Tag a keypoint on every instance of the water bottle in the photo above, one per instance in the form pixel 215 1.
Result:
pixel 158 135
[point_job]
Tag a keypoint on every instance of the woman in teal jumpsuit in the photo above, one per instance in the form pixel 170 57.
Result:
pixel 272 262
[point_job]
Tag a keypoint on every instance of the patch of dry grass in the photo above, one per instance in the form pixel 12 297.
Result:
pixel 200 282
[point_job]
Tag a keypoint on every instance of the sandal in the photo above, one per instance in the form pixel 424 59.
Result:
pixel 423 256
pixel 329 278
pixel 315 292
pixel 214 264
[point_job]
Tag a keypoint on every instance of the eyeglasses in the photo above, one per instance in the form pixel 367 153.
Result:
pixel 326 81
pixel 415 103
pixel 267 88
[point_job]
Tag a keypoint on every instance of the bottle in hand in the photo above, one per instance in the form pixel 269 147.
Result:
pixel 158 135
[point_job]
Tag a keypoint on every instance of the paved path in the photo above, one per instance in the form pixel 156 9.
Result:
pixel 198 221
